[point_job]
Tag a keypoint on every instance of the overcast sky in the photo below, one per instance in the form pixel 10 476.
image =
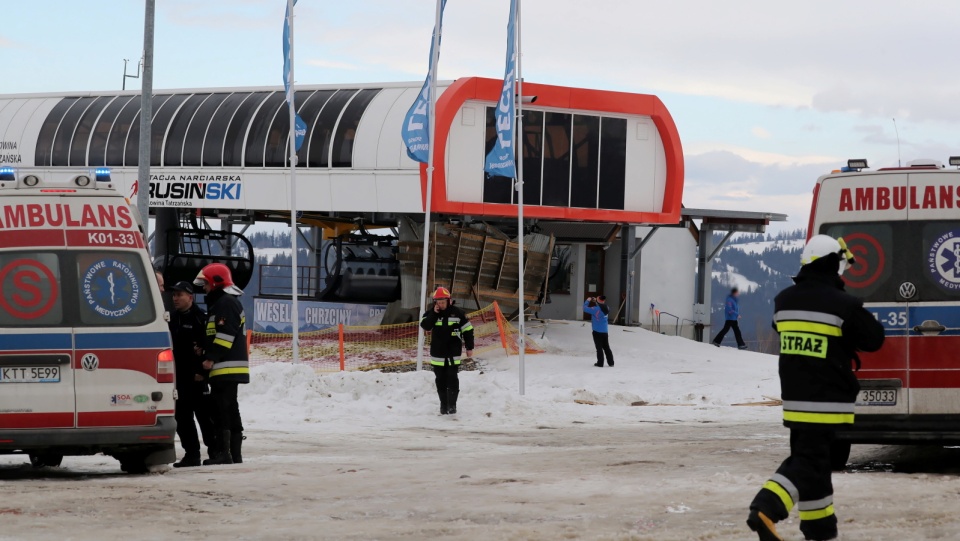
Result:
pixel 766 95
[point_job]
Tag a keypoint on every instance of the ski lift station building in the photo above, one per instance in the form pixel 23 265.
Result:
pixel 603 171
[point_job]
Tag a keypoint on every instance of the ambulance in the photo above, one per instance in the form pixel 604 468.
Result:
pixel 86 364
pixel 903 226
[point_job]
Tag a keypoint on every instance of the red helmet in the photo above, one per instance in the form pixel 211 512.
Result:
pixel 441 293
pixel 218 276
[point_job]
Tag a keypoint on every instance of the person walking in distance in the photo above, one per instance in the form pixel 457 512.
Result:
pixel 731 310
pixel 450 331
pixel 821 329
pixel 188 329
pixel 598 310
pixel 225 354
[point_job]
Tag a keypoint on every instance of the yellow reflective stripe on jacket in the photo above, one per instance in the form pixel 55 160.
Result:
pixel 224 371
pixel 802 343
pixel 818 418
pixel 808 326
pixel 211 328
pixel 818 514
pixel 222 343
pixel 467 327
pixel 440 362
pixel 781 493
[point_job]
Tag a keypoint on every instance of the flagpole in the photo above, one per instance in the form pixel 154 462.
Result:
pixel 293 197
pixel 434 60
pixel 521 342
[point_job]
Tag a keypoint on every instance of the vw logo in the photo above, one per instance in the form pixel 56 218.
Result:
pixel 908 290
pixel 90 362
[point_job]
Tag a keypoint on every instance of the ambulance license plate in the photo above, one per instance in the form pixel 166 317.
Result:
pixel 29 374
pixel 877 397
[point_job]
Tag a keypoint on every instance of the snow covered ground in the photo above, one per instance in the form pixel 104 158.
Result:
pixel 362 456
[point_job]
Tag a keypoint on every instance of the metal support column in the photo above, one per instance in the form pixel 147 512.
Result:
pixel 705 257
pixel 628 239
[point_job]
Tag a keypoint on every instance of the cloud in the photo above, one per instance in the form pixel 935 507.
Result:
pixel 760 132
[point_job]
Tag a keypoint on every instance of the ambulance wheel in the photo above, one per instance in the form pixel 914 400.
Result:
pixel 41 460
pixel 134 463
pixel 839 455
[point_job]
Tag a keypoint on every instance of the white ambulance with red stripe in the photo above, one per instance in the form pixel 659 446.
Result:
pixel 86 364
pixel 903 226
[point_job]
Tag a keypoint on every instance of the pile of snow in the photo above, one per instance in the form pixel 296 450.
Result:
pixel 762 246
pixel 731 278
pixel 656 378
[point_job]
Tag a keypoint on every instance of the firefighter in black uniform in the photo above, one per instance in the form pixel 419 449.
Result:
pixel 449 331
pixel 188 329
pixel 225 354
pixel 821 329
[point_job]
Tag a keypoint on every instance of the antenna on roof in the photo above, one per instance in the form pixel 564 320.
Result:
pixel 898 140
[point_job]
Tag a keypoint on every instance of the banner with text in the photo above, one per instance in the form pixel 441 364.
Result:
pixel 275 315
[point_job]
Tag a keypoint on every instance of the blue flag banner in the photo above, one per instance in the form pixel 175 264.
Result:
pixel 300 126
pixel 416 125
pixel 500 160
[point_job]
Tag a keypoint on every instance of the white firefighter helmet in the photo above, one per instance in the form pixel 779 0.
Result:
pixel 822 245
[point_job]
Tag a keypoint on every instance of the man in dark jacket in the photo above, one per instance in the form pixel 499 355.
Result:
pixel 450 330
pixel 597 308
pixel 225 354
pixel 188 329
pixel 731 313
pixel 821 329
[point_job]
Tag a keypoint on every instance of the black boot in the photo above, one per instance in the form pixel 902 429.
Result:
pixel 444 406
pixel 236 441
pixel 188 461
pixel 452 401
pixel 223 450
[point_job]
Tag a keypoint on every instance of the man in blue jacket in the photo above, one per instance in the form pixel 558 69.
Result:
pixel 732 312
pixel 597 308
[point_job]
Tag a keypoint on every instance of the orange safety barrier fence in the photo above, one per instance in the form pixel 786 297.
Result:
pixel 365 348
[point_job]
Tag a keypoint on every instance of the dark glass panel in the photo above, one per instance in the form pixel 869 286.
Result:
pixel 322 131
pixel 217 132
pixel 160 125
pixel 61 141
pixel 96 155
pixel 309 112
pixel 347 128
pixel 81 137
pixel 259 128
pixel 532 156
pixel 132 154
pixel 194 139
pixel 496 189
pixel 276 145
pixel 613 162
pixel 49 129
pixel 233 139
pixel 120 132
pixel 556 159
pixel 173 149
pixel 586 156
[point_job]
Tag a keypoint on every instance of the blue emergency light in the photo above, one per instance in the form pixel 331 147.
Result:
pixel 8 173
pixel 102 174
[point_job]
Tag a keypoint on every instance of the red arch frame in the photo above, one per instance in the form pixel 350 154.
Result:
pixel 602 101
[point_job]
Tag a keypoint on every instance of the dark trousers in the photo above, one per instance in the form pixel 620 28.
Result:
pixel 803 480
pixel 447 379
pixel 730 324
pixel 226 411
pixel 601 341
pixel 191 402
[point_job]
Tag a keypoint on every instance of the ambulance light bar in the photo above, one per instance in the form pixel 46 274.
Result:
pixel 8 173
pixel 102 174
pixel 857 164
pixel 955 160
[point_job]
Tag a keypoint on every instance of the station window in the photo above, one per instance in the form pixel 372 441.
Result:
pixel 49 129
pixel 561 266
pixel 309 111
pixel 613 162
pixel 217 131
pixel 61 141
pixel 173 149
pixel 162 118
pixel 586 157
pixel 117 142
pixel 556 159
pixel 234 136
pixel 532 156
pixel 132 153
pixel 260 127
pixel 81 136
pixel 96 153
pixel 347 127
pixel 194 138
pixel 321 134
pixel 496 189
pixel 275 154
